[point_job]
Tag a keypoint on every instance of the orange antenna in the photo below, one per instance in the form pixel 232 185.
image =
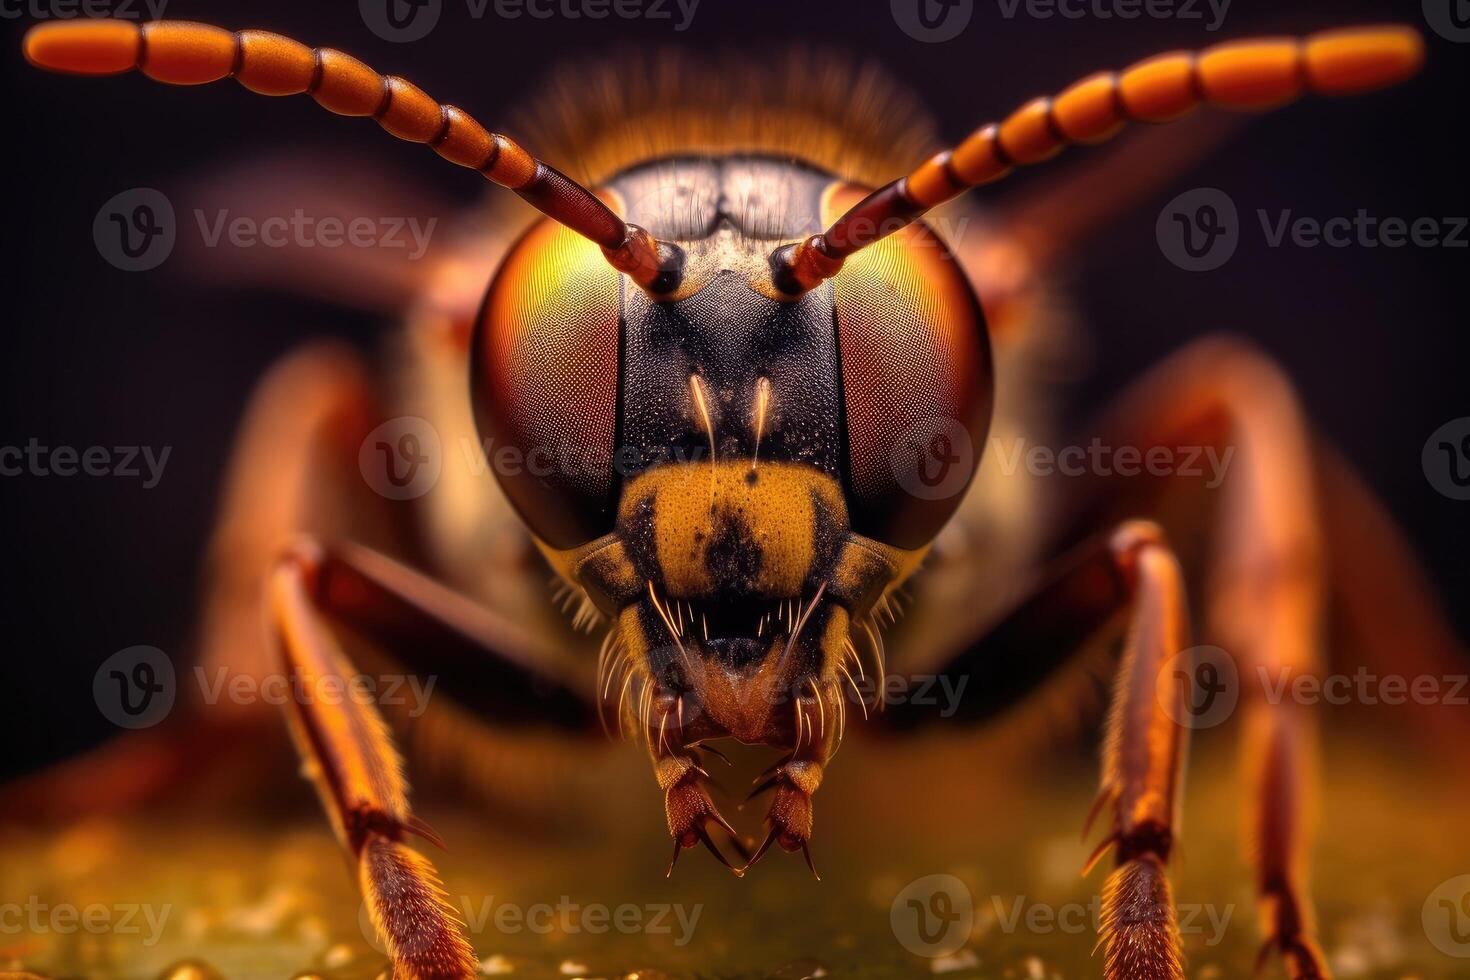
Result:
pixel 185 53
pixel 1250 75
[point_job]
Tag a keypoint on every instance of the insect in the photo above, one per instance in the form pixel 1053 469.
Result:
pixel 773 381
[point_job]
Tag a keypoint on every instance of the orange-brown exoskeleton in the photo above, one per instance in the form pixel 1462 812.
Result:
pixel 760 388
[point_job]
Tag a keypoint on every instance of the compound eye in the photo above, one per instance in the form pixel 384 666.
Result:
pixel 917 384
pixel 544 377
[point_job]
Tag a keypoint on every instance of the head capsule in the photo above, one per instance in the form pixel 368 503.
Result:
pixel 712 465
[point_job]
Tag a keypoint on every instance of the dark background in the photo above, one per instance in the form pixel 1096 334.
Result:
pixel 97 356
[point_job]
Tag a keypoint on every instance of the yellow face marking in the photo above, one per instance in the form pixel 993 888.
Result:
pixel 778 511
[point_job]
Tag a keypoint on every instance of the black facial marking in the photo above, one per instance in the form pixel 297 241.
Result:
pixel 638 537
pixel 727 333
pixel 731 336
pixel 829 531
pixel 734 557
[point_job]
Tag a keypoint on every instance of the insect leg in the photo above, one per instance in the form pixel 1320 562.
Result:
pixel 1127 583
pixel 346 744
pixel 1266 590
pixel 1296 527
pixel 1391 615
pixel 359 776
pixel 479 657
pixel 1143 761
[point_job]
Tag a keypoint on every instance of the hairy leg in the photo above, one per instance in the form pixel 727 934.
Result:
pixel 1266 592
pixel 358 774
pixel 1127 584
pixel 348 752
